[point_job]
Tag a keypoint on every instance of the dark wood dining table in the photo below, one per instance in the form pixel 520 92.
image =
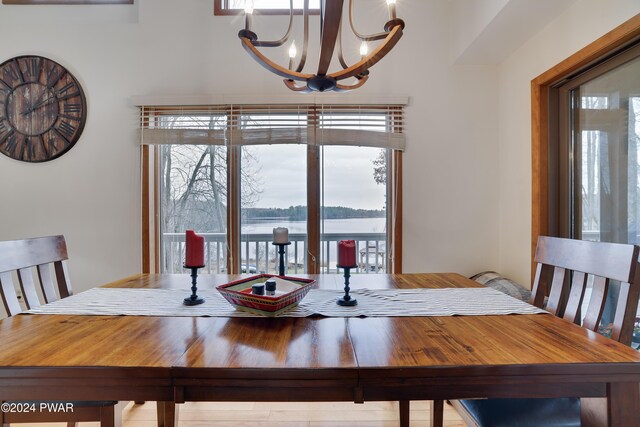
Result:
pixel 179 359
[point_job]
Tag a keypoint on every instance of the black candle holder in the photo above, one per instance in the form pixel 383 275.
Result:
pixel 281 253
pixel 194 299
pixel 346 300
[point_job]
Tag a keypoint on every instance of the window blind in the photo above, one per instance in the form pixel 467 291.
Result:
pixel 360 125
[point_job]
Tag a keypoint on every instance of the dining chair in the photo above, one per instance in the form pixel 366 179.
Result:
pixel 45 258
pixel 562 274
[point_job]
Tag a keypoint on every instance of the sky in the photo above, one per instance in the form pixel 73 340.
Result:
pixel 348 176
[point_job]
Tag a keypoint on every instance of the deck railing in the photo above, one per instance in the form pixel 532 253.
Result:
pixel 258 255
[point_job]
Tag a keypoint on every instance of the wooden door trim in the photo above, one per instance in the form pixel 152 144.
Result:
pixel 156 210
pixel 234 255
pixel 395 231
pixel 146 226
pixel 607 45
pixel 313 209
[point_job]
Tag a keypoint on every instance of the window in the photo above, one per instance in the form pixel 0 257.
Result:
pixel 352 201
pixel 273 194
pixel 606 185
pixel 233 173
pixel 193 196
pixel 193 190
pixel 599 112
pixel 354 205
pixel 271 7
pixel 586 147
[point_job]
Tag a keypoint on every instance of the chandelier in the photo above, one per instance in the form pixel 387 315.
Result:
pixel 330 38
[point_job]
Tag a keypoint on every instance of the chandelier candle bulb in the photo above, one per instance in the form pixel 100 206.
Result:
pixel 248 12
pixel 347 253
pixel 280 235
pixel 194 250
pixel 293 52
pixel 392 9
pixel 364 49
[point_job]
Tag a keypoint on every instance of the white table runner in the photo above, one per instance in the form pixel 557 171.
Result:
pixel 371 303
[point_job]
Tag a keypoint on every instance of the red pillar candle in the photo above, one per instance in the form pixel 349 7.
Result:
pixel 194 256
pixel 347 253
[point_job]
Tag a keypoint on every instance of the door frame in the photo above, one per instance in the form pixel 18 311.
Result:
pixel 544 127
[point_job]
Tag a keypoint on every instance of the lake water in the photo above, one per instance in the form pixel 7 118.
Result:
pixel 351 225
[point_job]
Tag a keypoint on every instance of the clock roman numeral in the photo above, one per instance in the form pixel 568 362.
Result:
pixel 64 89
pixel 28 149
pixel 19 71
pixel 11 144
pixel 7 135
pixel 44 147
pixel 67 129
pixel 68 117
pixel 3 128
pixel 34 66
pixel 72 108
pixel 55 142
pixel 12 71
pixel 5 87
pixel 63 92
pixel 53 76
pixel 4 131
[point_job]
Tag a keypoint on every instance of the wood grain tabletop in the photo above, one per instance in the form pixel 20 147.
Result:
pixel 167 358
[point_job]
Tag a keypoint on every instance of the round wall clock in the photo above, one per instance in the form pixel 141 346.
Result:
pixel 42 109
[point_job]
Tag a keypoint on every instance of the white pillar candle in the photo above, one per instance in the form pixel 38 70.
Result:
pixel 280 235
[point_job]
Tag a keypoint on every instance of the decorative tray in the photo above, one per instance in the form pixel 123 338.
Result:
pixel 289 292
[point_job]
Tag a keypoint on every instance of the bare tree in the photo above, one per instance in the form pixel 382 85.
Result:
pixel 194 180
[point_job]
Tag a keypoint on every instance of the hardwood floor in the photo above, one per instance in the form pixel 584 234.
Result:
pixel 200 414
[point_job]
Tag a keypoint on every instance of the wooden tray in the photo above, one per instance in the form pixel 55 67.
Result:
pixel 239 295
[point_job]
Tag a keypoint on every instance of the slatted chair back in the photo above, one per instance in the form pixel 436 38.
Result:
pixel 557 258
pixel 21 257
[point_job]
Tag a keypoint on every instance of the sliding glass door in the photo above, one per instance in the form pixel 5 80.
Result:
pixel 606 136
pixel 599 155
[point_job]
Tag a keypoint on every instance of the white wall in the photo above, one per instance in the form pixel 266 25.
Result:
pixel 471 18
pixel 578 26
pixel 171 47
pixel 489 31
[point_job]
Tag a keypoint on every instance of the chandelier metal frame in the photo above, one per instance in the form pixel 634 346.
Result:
pixel 330 36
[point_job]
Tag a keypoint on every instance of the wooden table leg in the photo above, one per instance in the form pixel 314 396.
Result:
pixel 619 409
pixel 623 404
pixel 107 416
pixel 437 413
pixel 167 414
pixel 405 406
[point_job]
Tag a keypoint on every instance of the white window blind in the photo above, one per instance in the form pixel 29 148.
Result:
pixel 360 125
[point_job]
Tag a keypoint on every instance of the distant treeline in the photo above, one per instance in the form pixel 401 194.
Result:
pixel 299 213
